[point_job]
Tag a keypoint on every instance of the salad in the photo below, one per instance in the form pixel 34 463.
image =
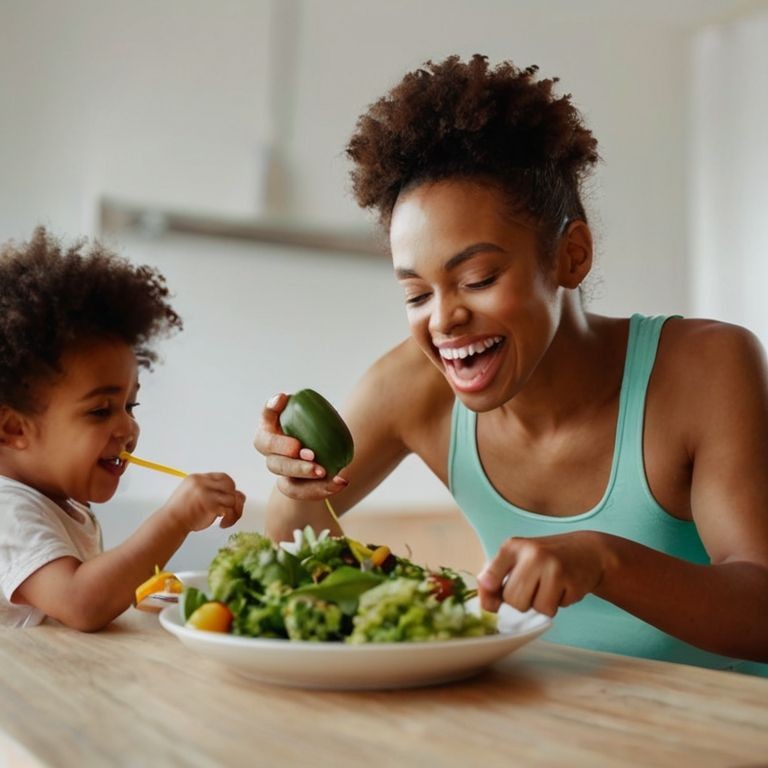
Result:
pixel 323 588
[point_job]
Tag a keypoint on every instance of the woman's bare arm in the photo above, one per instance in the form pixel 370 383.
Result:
pixel 399 399
pixel 723 606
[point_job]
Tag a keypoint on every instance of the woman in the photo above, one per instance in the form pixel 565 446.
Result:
pixel 612 467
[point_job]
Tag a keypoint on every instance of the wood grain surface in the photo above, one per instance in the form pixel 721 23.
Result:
pixel 133 695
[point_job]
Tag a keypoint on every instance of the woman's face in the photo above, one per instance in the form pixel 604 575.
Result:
pixel 479 300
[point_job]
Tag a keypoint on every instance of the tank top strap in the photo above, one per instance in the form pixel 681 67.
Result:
pixel 642 345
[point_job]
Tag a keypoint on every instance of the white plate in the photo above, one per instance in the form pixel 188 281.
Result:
pixel 368 666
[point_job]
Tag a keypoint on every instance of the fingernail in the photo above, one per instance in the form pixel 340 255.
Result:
pixel 319 472
pixel 307 454
pixel 273 401
pixel 339 480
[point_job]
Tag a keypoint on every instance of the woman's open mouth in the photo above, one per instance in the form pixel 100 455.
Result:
pixel 471 368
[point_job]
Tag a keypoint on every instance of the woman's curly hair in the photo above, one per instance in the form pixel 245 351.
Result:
pixel 458 119
pixel 52 298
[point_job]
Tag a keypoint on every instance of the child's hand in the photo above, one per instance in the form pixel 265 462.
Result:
pixel 200 499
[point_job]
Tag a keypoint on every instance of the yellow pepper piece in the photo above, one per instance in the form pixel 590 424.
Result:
pixel 360 551
pixel 379 555
pixel 161 581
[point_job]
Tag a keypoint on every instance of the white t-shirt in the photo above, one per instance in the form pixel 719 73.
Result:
pixel 33 532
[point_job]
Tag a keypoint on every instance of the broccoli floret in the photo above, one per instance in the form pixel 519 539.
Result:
pixel 226 575
pixel 314 620
pixel 404 609
pixel 263 617
pixel 248 564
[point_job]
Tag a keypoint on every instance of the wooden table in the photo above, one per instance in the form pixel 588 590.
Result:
pixel 133 695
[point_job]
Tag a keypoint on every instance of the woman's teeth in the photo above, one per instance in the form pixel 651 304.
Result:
pixel 460 353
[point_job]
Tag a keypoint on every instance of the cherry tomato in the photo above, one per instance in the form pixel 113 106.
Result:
pixel 211 617
pixel 442 586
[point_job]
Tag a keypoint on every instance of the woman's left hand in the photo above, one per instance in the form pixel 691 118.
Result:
pixel 543 573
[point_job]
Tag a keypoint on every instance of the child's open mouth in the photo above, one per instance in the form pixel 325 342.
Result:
pixel 472 367
pixel 114 465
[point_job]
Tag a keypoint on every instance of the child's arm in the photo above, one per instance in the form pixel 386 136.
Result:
pixel 88 595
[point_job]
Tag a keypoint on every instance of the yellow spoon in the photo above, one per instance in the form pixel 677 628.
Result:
pixel 129 457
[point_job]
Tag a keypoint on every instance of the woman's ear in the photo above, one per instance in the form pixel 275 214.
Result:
pixel 14 429
pixel 574 254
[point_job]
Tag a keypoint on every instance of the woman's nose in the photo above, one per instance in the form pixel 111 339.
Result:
pixel 448 313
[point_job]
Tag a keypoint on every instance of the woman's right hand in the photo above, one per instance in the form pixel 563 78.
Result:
pixel 298 475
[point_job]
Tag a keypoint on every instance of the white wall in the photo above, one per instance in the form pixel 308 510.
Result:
pixel 630 76
pixel 258 319
pixel 160 102
pixel 174 103
pixel 729 158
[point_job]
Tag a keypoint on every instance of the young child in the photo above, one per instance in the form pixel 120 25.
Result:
pixel 74 330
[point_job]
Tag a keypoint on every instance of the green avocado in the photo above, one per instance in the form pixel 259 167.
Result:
pixel 317 425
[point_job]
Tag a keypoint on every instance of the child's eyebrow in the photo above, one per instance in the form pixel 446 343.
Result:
pixel 105 390
pixel 108 389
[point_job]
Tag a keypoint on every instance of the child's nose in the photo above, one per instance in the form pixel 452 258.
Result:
pixel 126 427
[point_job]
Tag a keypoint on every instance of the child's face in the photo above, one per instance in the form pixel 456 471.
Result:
pixel 75 442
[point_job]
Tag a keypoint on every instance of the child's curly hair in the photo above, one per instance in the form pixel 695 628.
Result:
pixel 52 298
pixel 460 119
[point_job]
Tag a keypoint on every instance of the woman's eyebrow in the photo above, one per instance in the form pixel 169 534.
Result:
pixel 469 252
pixel 403 273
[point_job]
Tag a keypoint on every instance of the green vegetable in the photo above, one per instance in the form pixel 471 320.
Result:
pixel 247 564
pixel 313 620
pixel 317 588
pixel 262 615
pixel 191 600
pixel 400 610
pixel 317 425
pixel 343 586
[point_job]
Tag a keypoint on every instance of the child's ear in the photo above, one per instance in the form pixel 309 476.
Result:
pixel 14 428
pixel 574 254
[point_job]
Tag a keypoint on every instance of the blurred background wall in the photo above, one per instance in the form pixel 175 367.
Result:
pixel 236 108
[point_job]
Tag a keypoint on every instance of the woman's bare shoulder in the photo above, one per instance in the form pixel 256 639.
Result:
pixel 705 363
pixel 704 345
pixel 406 386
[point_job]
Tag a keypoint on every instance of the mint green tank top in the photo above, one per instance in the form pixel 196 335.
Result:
pixel 626 509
